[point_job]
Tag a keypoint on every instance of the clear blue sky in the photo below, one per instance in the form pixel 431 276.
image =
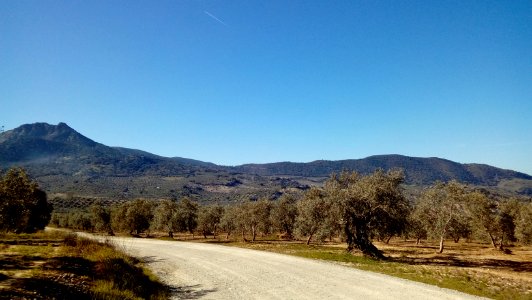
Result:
pixel 235 82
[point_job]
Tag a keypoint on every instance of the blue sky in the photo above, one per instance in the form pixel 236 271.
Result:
pixel 235 82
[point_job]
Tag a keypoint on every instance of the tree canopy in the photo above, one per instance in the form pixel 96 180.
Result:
pixel 372 205
pixel 23 206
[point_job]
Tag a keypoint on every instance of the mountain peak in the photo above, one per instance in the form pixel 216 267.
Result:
pixel 38 141
pixel 61 133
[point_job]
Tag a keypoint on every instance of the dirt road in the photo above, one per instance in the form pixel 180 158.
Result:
pixel 205 271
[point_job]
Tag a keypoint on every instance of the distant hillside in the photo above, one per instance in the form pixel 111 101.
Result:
pixel 68 164
pixel 417 170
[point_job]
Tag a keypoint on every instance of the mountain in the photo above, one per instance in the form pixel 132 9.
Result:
pixel 41 142
pixel 58 149
pixel 421 171
pixel 68 164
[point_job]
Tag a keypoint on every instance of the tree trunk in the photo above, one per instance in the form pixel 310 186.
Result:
pixel 493 242
pixel 254 233
pixel 501 245
pixel 309 238
pixel 244 235
pixel 171 234
pixel 357 235
pixel 388 239
pixel 442 238
pixel 368 249
pixel 417 241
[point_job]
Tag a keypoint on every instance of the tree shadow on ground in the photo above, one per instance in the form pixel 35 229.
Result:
pixel 76 265
pixel 18 262
pixel 44 288
pixel 63 277
pixel 4 277
pixel 151 259
pixel 191 292
pixel 217 241
pixel 32 242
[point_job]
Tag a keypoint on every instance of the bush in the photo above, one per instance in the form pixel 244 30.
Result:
pixel 115 274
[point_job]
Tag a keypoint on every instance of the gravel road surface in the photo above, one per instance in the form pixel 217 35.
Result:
pixel 206 271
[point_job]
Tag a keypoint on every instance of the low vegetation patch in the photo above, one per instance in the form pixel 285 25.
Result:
pixel 57 265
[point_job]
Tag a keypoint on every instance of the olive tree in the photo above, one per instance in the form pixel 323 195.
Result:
pixel 313 214
pixel 165 217
pixel 415 227
pixel 134 216
pixel 460 227
pixel 494 217
pixel 262 211
pixel 252 217
pixel 524 225
pixel 283 215
pixel 81 220
pixel 101 217
pixel 372 205
pixel 209 218
pixel 441 206
pixel 187 216
pixel 23 206
pixel 229 220
pixel 242 218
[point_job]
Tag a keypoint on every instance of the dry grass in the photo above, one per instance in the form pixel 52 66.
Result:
pixel 472 267
pixel 58 266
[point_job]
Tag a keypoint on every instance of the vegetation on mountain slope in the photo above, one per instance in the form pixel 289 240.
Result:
pixel 423 171
pixel 68 165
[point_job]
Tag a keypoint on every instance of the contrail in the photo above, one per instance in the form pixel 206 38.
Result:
pixel 214 17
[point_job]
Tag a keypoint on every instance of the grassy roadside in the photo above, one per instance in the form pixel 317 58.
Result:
pixel 472 269
pixel 58 265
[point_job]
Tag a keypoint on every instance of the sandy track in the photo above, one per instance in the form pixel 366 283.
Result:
pixel 205 271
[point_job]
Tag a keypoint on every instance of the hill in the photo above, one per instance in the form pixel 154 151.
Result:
pixel 418 171
pixel 58 149
pixel 69 165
